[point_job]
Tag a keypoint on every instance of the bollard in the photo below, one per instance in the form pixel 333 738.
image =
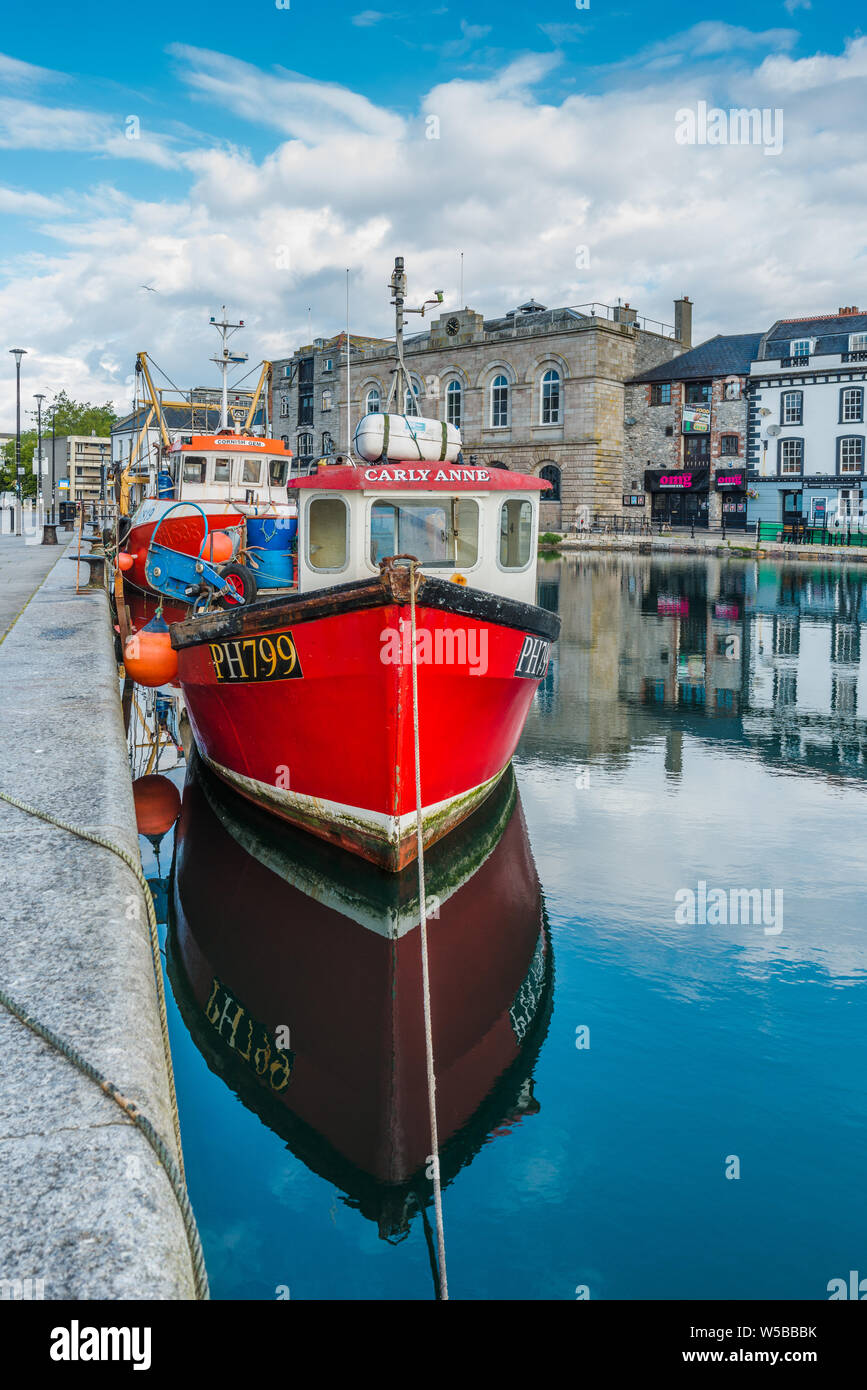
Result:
pixel 49 533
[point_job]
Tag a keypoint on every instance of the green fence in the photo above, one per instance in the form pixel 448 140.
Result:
pixel 809 535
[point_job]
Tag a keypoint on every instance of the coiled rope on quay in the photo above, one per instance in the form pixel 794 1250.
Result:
pixel 174 1170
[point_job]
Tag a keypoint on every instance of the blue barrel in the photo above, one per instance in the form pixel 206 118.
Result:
pixel 271 550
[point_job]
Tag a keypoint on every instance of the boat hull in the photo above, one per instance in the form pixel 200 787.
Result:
pixel 326 741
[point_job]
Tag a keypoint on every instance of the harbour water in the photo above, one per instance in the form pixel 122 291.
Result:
pixel 648 963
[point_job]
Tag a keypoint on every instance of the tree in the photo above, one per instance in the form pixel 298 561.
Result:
pixel 70 417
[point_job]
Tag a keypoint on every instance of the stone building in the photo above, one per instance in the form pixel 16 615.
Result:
pixel 537 390
pixel 685 459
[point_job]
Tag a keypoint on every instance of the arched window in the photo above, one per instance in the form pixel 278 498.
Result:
pixel 550 412
pixel 499 402
pixel 551 474
pixel 305 446
pixel 410 405
pixel 372 401
pixel 454 398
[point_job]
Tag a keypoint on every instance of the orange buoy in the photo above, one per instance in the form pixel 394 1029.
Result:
pixel 218 548
pixel 157 804
pixel 125 561
pixel 149 657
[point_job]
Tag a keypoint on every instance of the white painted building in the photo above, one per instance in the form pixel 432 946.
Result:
pixel 806 421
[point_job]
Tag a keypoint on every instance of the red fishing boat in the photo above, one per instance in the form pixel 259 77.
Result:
pixel 233 481
pixel 305 703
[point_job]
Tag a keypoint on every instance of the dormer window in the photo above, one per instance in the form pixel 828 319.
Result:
pixel 800 347
pixel 858 342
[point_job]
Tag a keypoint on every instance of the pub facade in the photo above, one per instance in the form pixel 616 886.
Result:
pixel 686 435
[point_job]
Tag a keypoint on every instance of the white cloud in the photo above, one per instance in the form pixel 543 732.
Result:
pixel 710 38
pixel 564 33
pixel 15 73
pixel 30 204
pixel 27 125
pixel 297 106
pixel 368 18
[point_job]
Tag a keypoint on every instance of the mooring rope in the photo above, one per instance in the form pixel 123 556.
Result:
pixel 174 1170
pixel 425 974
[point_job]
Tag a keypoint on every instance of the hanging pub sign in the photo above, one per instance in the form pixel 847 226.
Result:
pixel 731 482
pixel 696 481
pixel 696 419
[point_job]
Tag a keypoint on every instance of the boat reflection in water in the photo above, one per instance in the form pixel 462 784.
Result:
pixel 297 970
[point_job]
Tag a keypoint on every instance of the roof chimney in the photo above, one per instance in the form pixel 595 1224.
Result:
pixel 849 309
pixel 623 314
pixel 683 321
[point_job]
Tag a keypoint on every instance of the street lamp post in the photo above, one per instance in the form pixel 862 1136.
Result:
pixel 18 353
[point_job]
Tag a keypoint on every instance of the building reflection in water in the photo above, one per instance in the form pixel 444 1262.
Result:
pixel 297 971
pixel 763 654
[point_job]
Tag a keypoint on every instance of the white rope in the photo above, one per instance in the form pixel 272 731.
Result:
pixel 425 975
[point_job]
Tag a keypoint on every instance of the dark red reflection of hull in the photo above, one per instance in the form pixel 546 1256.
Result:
pixel 297 936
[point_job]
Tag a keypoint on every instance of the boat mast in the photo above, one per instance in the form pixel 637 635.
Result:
pixel 401 379
pixel 226 359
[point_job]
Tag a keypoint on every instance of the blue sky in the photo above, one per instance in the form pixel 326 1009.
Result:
pixel 277 146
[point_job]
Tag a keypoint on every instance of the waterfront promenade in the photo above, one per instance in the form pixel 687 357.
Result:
pixel 22 569
pixel 87 1209
pixel 709 543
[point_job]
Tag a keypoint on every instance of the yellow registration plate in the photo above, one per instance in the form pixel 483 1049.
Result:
pixel 245 659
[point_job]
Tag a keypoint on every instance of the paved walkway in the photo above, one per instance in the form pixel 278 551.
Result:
pixel 22 569
pixel 86 1206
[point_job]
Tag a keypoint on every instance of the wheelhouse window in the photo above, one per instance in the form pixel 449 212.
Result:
pixel 222 470
pixel 499 402
pixel 791 456
pixel 251 471
pixel 278 471
pixel 550 398
pixel 454 397
pixel 439 532
pixel 194 470
pixel 551 473
pixel 851 454
pixel 373 401
pixel 660 393
pixel 327 533
pixel 729 445
pixel 792 408
pixel 851 405
pixel 516 533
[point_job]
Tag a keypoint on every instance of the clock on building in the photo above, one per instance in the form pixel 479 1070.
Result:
pixel 453 326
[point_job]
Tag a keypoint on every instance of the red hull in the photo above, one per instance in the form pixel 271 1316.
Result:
pixel 331 749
